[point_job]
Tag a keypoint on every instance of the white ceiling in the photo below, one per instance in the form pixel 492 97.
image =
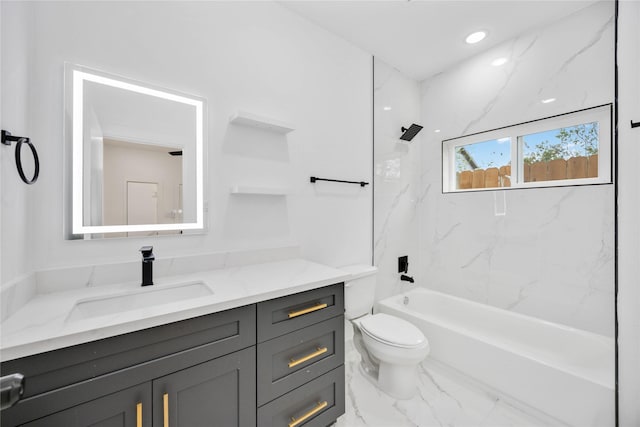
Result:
pixel 423 37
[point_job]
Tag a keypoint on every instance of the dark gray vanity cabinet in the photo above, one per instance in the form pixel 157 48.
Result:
pixel 129 407
pixel 218 392
pixel 301 358
pixel 277 362
pixel 205 367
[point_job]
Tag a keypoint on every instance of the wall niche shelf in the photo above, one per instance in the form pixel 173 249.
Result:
pixel 265 191
pixel 254 120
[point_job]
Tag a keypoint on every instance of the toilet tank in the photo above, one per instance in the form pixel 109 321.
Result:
pixel 359 290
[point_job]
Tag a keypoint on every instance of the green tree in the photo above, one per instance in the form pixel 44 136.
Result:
pixel 580 140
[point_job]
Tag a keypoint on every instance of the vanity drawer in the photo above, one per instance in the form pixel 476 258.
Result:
pixel 291 360
pixel 317 403
pixel 280 316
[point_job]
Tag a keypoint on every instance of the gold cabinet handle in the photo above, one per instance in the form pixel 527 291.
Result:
pixel 139 415
pixel 310 356
pixel 316 307
pixel 165 409
pixel 319 407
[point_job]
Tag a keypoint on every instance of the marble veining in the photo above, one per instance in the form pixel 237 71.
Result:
pixel 41 323
pixel 15 294
pixel 438 239
pixel 523 293
pixel 509 74
pixel 590 43
pixel 445 398
pixel 58 279
pixel 553 213
pixel 397 190
pixel 551 254
pixel 384 229
pixel 423 195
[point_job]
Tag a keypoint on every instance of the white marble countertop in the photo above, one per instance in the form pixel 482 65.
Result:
pixel 43 323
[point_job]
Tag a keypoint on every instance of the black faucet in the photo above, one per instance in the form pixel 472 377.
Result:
pixel 407 278
pixel 147 265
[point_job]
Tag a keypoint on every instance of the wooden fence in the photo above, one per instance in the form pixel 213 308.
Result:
pixel 572 168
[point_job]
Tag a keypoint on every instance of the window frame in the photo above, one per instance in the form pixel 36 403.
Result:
pixel 601 114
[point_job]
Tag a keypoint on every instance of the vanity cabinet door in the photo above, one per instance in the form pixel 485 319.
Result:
pixel 221 392
pixel 127 408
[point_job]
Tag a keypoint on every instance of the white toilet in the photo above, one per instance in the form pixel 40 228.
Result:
pixel 391 348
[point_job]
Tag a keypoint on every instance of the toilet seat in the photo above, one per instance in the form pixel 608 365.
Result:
pixel 392 331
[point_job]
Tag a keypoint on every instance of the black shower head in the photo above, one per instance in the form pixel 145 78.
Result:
pixel 408 134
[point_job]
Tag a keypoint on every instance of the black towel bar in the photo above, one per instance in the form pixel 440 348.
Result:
pixel 361 183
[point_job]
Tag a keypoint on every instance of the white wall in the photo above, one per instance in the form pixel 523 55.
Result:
pixel 552 255
pixel 629 212
pixel 16 216
pixel 254 56
pixel 396 177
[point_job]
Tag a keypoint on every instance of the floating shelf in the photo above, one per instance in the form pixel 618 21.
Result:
pixel 249 119
pixel 267 191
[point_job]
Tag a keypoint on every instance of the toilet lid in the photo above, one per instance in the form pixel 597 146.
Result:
pixel 392 330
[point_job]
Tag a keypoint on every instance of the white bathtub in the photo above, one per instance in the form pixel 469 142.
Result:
pixel 564 372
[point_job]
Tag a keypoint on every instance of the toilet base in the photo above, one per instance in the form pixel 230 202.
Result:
pixel 398 381
pixel 369 374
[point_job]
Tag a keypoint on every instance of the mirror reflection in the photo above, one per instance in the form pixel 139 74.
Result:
pixel 142 184
pixel 137 155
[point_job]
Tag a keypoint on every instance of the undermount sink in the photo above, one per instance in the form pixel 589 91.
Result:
pixel 140 298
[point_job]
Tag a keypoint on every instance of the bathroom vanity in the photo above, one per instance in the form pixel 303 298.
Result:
pixel 277 361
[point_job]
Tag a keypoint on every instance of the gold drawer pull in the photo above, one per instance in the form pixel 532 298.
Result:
pixel 316 307
pixel 165 409
pixel 316 353
pixel 319 407
pixel 139 415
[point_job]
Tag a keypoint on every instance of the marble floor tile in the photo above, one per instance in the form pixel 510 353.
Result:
pixel 505 415
pixel 445 398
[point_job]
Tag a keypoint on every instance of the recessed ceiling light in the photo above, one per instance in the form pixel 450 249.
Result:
pixel 387 108
pixel 499 61
pixel 548 100
pixel 476 37
pixel 437 131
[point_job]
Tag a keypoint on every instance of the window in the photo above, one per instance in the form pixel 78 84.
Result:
pixel 571 149
pixel 486 162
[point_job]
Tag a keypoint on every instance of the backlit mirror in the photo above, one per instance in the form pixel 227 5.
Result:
pixel 136 154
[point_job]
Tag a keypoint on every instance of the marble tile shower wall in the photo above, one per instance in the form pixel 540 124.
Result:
pixel 552 254
pixel 397 185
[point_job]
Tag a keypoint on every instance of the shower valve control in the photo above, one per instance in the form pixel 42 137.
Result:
pixel 403 264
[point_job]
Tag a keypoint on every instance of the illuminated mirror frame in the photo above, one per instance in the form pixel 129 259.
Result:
pixel 75 76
